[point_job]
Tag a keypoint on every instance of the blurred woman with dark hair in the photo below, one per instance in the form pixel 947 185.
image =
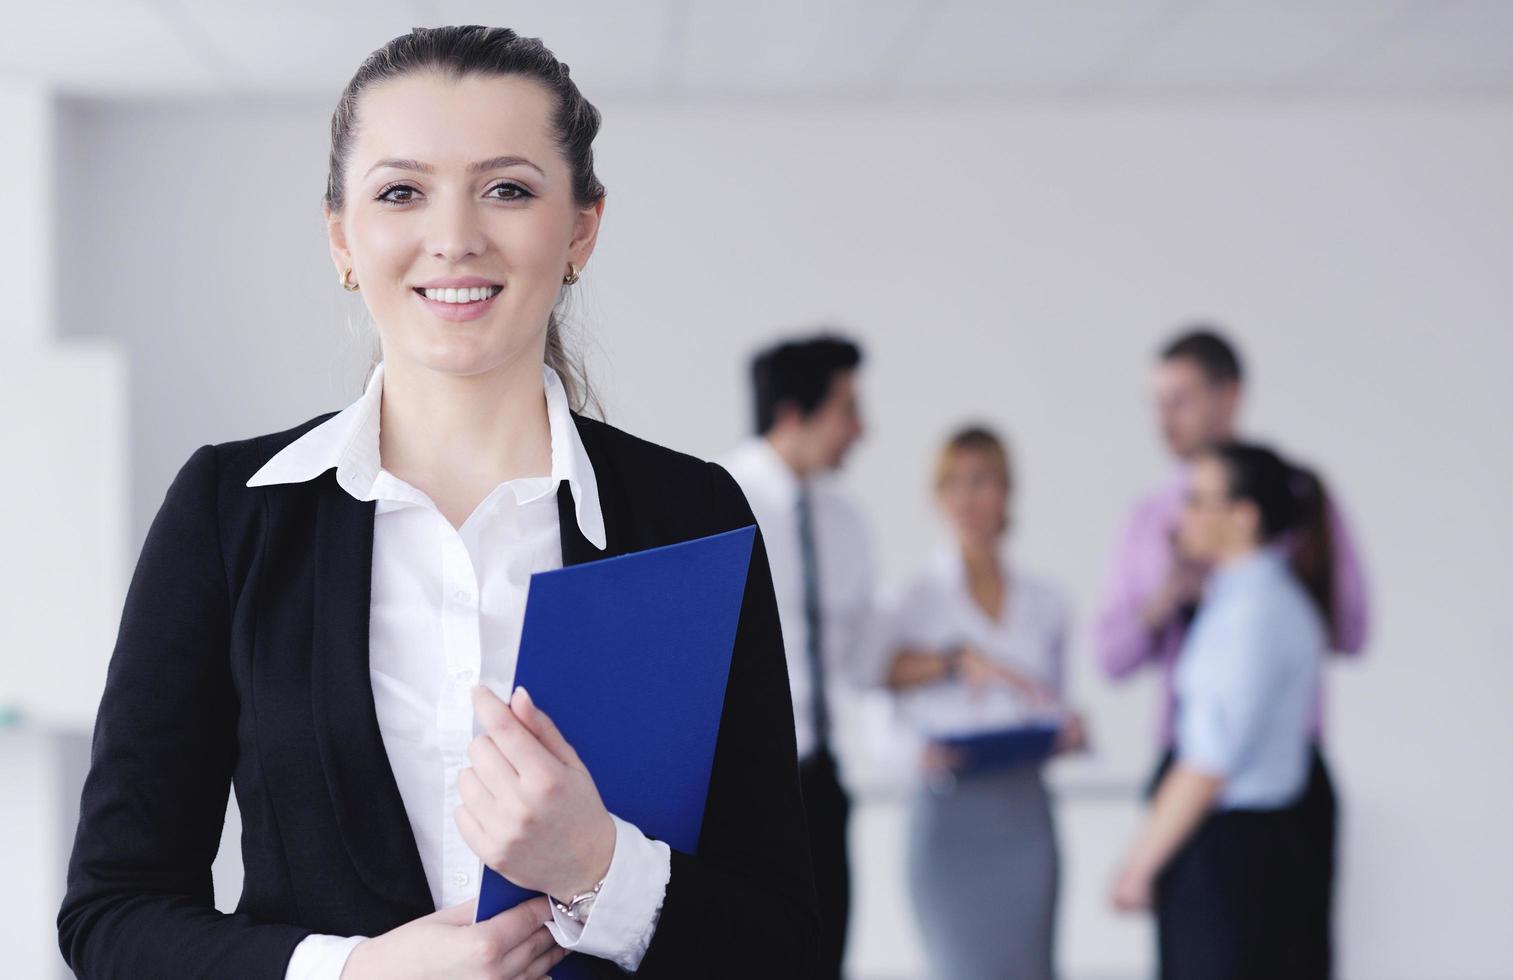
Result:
pixel 1225 856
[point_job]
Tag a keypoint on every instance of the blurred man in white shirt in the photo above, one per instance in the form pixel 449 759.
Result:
pixel 807 419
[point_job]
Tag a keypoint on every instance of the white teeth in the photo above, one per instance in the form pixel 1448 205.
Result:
pixel 469 294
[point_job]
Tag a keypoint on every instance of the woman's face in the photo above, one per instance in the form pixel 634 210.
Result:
pixel 449 180
pixel 1213 527
pixel 972 495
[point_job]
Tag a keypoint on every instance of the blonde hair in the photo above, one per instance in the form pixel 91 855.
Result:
pixel 978 439
pixel 975 439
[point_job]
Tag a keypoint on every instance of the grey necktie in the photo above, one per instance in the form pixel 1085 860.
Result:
pixel 813 622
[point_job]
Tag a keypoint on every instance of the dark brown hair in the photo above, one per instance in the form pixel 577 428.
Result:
pixel 1205 346
pixel 472 49
pixel 799 372
pixel 1293 504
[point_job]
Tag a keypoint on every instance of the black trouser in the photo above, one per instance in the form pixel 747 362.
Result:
pixel 827 807
pixel 1321 823
pixel 1251 893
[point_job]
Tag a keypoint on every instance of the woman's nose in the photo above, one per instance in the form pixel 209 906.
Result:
pixel 455 231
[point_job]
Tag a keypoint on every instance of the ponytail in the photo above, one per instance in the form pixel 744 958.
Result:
pixel 581 396
pixel 1312 557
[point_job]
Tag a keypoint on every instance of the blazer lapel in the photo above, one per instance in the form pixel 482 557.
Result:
pixel 369 810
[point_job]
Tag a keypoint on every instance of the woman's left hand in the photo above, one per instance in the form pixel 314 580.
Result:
pixel 1134 889
pixel 529 808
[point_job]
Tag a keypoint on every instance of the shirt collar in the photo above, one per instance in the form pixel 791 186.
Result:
pixel 949 565
pixel 776 477
pixel 349 441
pixel 1265 561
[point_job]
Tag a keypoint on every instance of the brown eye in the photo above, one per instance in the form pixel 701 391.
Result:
pixel 511 192
pixel 387 194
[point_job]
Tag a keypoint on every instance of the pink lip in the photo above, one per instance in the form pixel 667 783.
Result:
pixel 458 312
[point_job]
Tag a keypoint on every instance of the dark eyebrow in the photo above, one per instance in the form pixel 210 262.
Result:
pixel 493 163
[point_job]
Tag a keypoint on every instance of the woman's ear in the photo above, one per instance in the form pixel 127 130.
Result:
pixel 585 233
pixel 336 236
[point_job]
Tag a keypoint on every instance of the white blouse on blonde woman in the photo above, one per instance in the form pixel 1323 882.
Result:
pixel 935 611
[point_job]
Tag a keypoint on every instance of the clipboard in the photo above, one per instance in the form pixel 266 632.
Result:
pixel 630 656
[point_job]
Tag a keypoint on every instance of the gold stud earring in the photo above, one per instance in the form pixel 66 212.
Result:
pixel 346 282
pixel 572 275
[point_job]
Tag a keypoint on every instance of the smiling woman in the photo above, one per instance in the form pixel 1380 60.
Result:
pixel 324 616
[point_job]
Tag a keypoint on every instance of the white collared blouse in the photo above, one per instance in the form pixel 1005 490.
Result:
pixel 447 606
pixel 935 611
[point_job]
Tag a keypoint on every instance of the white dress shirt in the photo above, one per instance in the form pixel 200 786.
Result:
pixel 843 554
pixel 935 611
pixel 1246 682
pixel 446 613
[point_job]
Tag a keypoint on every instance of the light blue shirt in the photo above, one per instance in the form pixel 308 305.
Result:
pixel 1246 680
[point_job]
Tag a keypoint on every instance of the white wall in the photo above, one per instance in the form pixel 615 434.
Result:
pixel 1014 262
pixel 63 511
pixel 62 521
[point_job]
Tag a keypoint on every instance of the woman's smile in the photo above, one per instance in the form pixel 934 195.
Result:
pixel 458 303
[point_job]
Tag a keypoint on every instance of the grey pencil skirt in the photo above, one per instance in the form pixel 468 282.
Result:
pixel 983 871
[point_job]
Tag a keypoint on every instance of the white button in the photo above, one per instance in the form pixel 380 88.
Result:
pixel 460 878
pixel 464 676
pixel 462 595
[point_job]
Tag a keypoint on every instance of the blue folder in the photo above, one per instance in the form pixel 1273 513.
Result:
pixel 629 656
pixel 1005 747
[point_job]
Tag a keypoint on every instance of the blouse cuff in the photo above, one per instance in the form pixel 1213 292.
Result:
pixel 623 917
pixel 320 957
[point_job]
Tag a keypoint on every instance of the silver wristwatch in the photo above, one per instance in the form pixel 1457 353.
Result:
pixel 576 908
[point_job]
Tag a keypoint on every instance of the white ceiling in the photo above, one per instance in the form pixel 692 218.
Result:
pixel 721 49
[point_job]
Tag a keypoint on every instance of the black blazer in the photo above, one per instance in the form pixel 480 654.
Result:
pixel 242 658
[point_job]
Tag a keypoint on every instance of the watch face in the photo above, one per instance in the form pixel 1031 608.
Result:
pixel 578 907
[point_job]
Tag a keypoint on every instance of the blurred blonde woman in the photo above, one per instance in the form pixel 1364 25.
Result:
pixel 977 645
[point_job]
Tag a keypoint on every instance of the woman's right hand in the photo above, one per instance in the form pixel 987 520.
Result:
pixel 513 945
pixel 1072 736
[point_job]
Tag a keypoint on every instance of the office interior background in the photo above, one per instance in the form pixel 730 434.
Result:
pixel 1010 204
